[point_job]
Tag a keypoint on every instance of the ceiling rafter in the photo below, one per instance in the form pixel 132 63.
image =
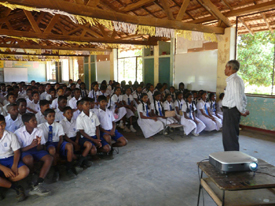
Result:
pixel 166 6
pixel 182 10
pixel 133 6
pixel 246 26
pixel 33 23
pixel 267 23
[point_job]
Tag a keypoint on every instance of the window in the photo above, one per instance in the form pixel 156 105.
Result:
pixel 65 70
pixel 256 56
pixel 130 66
pixel 51 71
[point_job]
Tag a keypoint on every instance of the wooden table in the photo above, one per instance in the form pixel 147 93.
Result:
pixel 242 188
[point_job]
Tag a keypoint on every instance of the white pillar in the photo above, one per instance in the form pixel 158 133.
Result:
pixel 156 64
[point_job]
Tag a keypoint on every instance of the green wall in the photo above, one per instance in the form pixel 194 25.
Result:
pixel 262 113
pixel 164 70
pixel 148 70
pixel 87 78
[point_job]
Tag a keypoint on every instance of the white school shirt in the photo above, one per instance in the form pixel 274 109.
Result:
pixel 73 101
pixel 69 127
pixel 43 95
pixel 98 93
pixel 201 105
pixel 184 108
pixel 33 106
pixel 92 94
pixel 179 103
pixel 143 111
pixel 125 98
pixel 106 119
pixel 234 95
pixel 150 96
pixel 57 130
pixel 88 124
pixel 22 94
pixel 8 144
pixel 28 100
pixel 75 114
pixel 11 125
pixel 219 106
pixel 54 103
pixel 48 97
pixel 157 107
pixel 25 138
pixel 213 105
pixel 40 118
pixel 166 106
pixel 136 95
pixel 5 108
pixel 3 111
pixel 58 115
pixel 115 99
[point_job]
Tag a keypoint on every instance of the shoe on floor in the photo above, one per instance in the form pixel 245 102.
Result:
pixel 126 129
pixel 132 129
pixel 20 196
pixel 195 134
pixel 165 132
pixel 40 190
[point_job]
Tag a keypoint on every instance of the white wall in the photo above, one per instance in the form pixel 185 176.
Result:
pixel 103 71
pixel 197 70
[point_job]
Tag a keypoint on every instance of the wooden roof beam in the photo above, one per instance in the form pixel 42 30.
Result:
pixel 116 16
pixel 136 5
pixel 182 10
pixel 267 23
pixel 167 9
pixel 93 3
pixel 51 24
pixel 212 8
pixel 246 26
pixel 32 22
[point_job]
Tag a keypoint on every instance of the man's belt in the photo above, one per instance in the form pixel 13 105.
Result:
pixel 228 107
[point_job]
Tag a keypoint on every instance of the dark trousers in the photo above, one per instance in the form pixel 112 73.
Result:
pixel 230 129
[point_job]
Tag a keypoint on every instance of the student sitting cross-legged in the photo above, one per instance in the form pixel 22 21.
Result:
pixel 11 168
pixel 87 123
pixel 108 126
pixel 32 140
pixel 53 133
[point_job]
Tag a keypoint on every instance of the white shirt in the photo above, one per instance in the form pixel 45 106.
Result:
pixel 75 114
pixel 184 109
pixel 150 96
pixel 54 104
pixel 73 101
pixel 106 119
pixel 234 95
pixel 28 100
pixel 143 111
pixel 115 99
pixel 8 144
pixel 69 127
pixel 136 95
pixel 219 106
pixel 98 93
pixel 33 106
pixel 157 107
pixel 58 115
pixel 57 130
pixel 125 98
pixel 88 124
pixel 201 105
pixel 179 103
pixel 92 94
pixel 11 125
pixel 40 118
pixel 25 138
pixel 168 105
pixel 43 95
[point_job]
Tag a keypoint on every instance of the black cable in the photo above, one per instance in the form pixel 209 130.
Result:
pixel 200 178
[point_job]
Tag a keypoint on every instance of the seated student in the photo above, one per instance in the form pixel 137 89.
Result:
pixel 46 94
pixel 92 93
pixel 32 140
pixel 189 120
pixel 165 89
pixel 11 168
pixel 78 111
pixel 29 95
pixel 103 91
pixel 11 100
pixel 62 103
pixel 116 106
pixel 33 106
pixel 213 106
pixel 52 95
pixel 59 92
pixel 68 94
pixel 195 97
pixel 179 102
pixel 172 91
pixel 83 90
pixel 211 122
pixel 150 92
pixel 73 101
pixel 53 133
pixel 181 87
pixel 22 105
pixel 150 125
pixel 137 94
pixel 13 119
pixel 44 104
pixel 108 126
pixel 168 105
pixel 219 106
pixel 87 123
pixel 128 102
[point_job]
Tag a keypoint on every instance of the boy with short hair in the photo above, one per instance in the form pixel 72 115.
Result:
pixel 62 102
pixel 78 111
pixel 33 106
pixel 53 133
pixel 28 95
pixel 10 100
pixel 87 124
pixel 108 126
pixel 59 92
pixel 52 95
pixel 46 94
pixel 11 168
pixel 22 105
pixel 73 101
pixel 13 119
pixel 44 104
pixel 32 140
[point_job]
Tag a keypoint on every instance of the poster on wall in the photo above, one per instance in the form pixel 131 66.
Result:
pixel 15 74
pixel 8 63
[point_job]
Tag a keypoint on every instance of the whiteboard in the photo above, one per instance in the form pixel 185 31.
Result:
pixel 15 74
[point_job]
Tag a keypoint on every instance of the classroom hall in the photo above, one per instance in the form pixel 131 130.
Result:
pixel 73 58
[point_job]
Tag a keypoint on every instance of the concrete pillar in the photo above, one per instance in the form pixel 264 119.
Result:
pixel 156 64
pixel 226 52
pixel 113 65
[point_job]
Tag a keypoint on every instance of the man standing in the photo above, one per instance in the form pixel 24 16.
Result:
pixel 234 103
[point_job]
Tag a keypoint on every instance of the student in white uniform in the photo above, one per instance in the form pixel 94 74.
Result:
pixel 33 106
pixel 62 103
pixel 22 105
pixel 73 101
pixel 150 125
pixel 102 91
pixel 188 119
pixel 44 104
pixel 10 163
pixel 172 91
pixel 150 93
pixel 10 100
pixel 59 92
pixel 78 111
pixel 219 106
pixel 179 102
pixel 14 119
pixel 46 94
pixel 136 95
pixel 128 102
pixel 92 93
pixel 119 111
pixel 210 122
pixel 213 106
pixel 168 105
